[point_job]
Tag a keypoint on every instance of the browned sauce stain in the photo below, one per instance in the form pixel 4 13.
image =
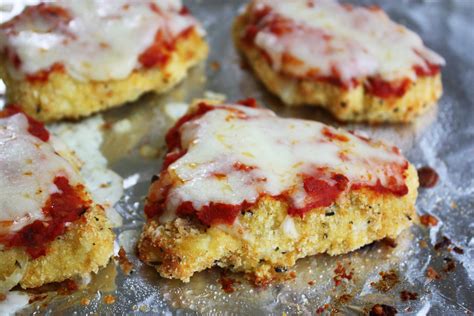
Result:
pixel 388 279
pixel 408 296
pixel 432 274
pixel 428 177
pixel 428 220
pixel 227 283
pixel 382 310
pixel 443 243
pixel 341 274
pixel 449 265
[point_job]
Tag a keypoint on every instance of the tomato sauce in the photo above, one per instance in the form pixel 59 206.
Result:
pixel 374 85
pixel 334 136
pixel 386 89
pixel 65 206
pixel 322 186
pixel 42 76
pixel 54 16
pixel 35 128
pixel 159 53
pixel 173 137
pixel 431 70
pixel 320 193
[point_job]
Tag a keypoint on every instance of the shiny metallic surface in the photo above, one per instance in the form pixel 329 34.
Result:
pixel 442 139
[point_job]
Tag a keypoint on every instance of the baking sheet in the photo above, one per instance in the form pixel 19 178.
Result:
pixel 442 139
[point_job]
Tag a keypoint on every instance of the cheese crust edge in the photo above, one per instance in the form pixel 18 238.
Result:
pixel 179 249
pixel 63 97
pixel 353 105
pixel 86 246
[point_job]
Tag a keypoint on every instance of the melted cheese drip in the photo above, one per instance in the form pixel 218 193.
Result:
pixel 332 40
pixel 279 151
pixel 102 41
pixel 28 167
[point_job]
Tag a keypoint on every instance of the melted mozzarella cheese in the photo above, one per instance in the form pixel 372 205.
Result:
pixel 102 40
pixel 85 139
pixel 278 152
pixel 28 167
pixel 333 40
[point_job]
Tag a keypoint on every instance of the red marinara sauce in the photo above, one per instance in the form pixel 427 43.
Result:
pixel 35 128
pixel 386 89
pixel 321 186
pixel 63 207
pixel 43 75
pixel 160 51
pixel 376 86
pixel 54 17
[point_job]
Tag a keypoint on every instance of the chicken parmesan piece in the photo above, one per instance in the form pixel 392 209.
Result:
pixel 68 59
pixel 353 61
pixel 243 189
pixel 50 229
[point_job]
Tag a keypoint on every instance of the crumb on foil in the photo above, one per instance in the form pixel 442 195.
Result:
pixel 227 283
pixel 340 274
pixel 449 265
pixel 408 296
pixel 428 220
pixel 125 264
pixel 382 310
pixel 109 299
pixel 444 243
pixel 85 301
pixel 432 274
pixel 388 280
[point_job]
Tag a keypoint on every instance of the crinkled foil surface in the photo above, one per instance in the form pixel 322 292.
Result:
pixel 442 139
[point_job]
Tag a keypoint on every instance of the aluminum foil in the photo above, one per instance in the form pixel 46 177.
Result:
pixel 442 139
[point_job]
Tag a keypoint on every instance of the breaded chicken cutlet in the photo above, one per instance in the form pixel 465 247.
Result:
pixel 353 61
pixel 50 229
pixel 245 190
pixel 69 59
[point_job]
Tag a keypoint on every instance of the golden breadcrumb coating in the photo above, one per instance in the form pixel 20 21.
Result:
pixel 182 247
pixel 86 246
pixel 62 96
pixel 355 104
